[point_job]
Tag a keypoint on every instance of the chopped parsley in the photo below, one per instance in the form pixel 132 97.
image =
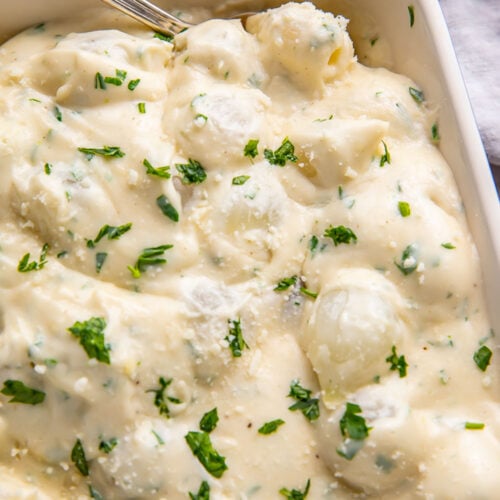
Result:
pixel 25 266
pixel 270 427
pixel 116 80
pixel 22 393
pixel 435 136
pixel 283 154
pixel 240 180
pixel 353 425
pixel 47 168
pixel 108 446
pixel 161 399
pixel 203 492
pixel 149 257
pixel 91 336
pixel 251 148
pixel 141 107
pixel 192 172
pixel 163 37
pixel 209 421
pixel 133 84
pixel 57 114
pixel 482 357
pixel 285 283
pixel 404 208
pixel 386 157
pixel 99 82
pixel 305 403
pixel 167 208
pixel 163 172
pixel 235 338
pixel 448 246
pixel 408 262
pixel 313 244
pixel 203 450
pixel 397 362
pixel 296 494
pixel 78 458
pixel 106 151
pixel 112 232
pixel 100 259
pixel 340 234
pixel 418 95
pixel 411 13
pixel 474 426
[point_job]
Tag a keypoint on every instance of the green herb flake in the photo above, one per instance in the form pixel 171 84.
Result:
pixel 353 425
pixel 94 494
pixel 100 259
pixel 404 208
pixel 99 82
pixel 411 14
pixel 209 421
pixel 397 362
pixel 141 107
pixel 106 151
pixel 91 336
pixel 474 426
pixel 296 494
pixel 25 266
pixel 408 263
pixel 163 172
pixel 373 40
pixel 435 136
pixel 161 399
pixel 112 232
pixel 192 172
pixel 149 257
pixel 203 450
pixel 340 234
pixel 133 84
pixel 283 154
pixel 163 37
pixel 251 149
pixel 308 293
pixel 313 244
pixel 386 157
pixel 21 393
pixel 57 114
pixel 270 427
pixel 108 446
pixel 116 80
pixel 235 338
pixel 167 208
pixel 47 168
pixel 305 403
pixel 240 180
pixel 418 95
pixel 285 284
pixel 203 492
pixel 78 458
pixel 448 246
pixel 159 439
pixel 482 357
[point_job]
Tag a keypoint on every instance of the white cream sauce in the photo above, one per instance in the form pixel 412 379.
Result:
pixel 292 74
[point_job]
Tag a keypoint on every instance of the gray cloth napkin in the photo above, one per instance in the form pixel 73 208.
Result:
pixel 475 32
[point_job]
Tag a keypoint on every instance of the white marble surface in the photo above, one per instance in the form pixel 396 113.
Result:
pixel 475 32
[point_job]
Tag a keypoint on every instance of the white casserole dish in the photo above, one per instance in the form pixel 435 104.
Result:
pixel 423 52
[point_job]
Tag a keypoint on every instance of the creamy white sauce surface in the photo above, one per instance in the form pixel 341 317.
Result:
pixel 247 221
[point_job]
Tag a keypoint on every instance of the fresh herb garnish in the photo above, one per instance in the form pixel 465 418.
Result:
pixel 307 405
pixel 163 172
pixel 209 421
pixel 251 148
pixel 482 357
pixel 283 154
pixel 411 13
pixel 94 494
pixel 149 257
pixel 57 114
pixel 404 208
pixel 91 336
pixel 112 232
pixel 474 426
pixel 203 492
pixel 308 293
pixel 106 151
pixel 133 84
pixel 235 338
pixel 353 425
pixel 22 393
pixel 78 458
pixel 408 262
pixel 100 259
pixel 141 107
pixel 167 208
pixel 340 234
pixel 47 168
pixel 435 133
pixel 397 362
pixel 161 399
pixel 313 244
pixel 386 157
pixel 99 82
pixel 271 426
pixel 296 494
pixel 448 246
pixel 192 172
pixel 164 38
pixel 418 95
pixel 25 266
pixel 108 446
pixel 240 180
pixel 285 283
pixel 116 80
pixel 203 450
